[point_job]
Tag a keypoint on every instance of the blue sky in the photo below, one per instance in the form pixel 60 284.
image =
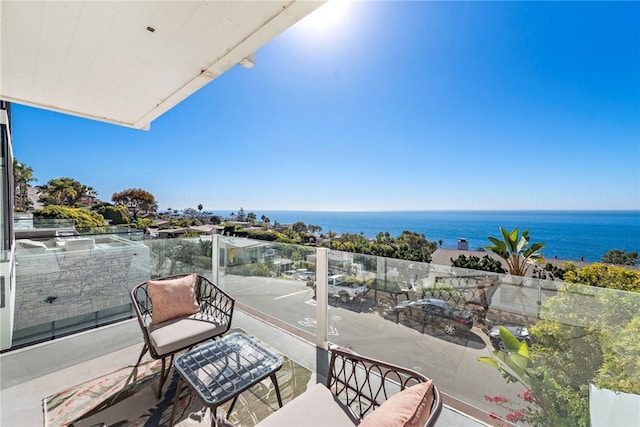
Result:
pixel 401 105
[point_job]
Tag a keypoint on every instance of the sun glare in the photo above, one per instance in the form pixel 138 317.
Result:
pixel 326 17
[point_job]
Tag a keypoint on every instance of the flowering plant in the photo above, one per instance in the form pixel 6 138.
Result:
pixel 517 413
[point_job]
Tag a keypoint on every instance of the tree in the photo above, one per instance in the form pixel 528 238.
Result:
pixel 190 213
pixel 23 176
pixel 619 257
pixel 414 247
pixel 517 252
pixel 63 191
pixel 240 216
pixel 200 207
pixel 265 221
pixel 134 199
pixel 314 228
pixel 251 217
pixel 408 245
pixel 92 194
pixel 299 227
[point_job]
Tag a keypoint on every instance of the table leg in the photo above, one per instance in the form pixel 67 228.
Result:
pixel 232 405
pixel 176 399
pixel 214 416
pixel 274 380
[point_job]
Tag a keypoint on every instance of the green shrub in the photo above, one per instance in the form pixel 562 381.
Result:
pixel 81 217
pixel 117 215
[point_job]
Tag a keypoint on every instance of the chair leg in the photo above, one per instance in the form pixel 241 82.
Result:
pixel 164 374
pixel 145 348
pixel 134 371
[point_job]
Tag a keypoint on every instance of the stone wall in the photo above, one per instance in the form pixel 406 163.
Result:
pixel 59 285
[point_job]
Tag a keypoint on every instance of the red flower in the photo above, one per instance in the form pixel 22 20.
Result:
pixel 516 416
pixel 528 397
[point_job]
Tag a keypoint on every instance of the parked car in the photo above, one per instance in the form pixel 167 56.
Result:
pixel 520 332
pixel 339 287
pixel 307 275
pixel 429 311
pixel 290 273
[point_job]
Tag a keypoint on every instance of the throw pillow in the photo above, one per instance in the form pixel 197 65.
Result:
pixel 173 298
pixel 409 408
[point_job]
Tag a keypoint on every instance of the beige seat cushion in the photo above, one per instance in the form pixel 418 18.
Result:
pixel 79 244
pixel 173 298
pixel 175 334
pixel 409 408
pixel 317 407
pixel 30 244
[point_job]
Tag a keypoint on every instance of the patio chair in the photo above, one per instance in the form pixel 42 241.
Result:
pixel 178 312
pixel 361 391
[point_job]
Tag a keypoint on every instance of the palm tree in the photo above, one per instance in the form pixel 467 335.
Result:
pixel 23 175
pixel 62 190
pixel 516 251
pixel 92 194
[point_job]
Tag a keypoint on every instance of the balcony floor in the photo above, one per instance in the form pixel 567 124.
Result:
pixel 28 375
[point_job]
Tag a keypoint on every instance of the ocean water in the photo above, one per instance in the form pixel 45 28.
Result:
pixel 568 235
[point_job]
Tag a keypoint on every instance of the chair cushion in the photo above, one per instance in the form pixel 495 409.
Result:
pixel 175 334
pixel 411 408
pixel 79 244
pixel 31 244
pixel 316 407
pixel 173 298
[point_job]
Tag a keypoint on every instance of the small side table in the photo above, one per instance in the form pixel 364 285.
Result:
pixel 222 369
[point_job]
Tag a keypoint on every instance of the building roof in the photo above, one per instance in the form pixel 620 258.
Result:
pixel 245 243
pixel 129 62
pixel 206 228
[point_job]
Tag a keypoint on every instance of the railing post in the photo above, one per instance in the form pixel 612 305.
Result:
pixel 322 298
pixel 215 262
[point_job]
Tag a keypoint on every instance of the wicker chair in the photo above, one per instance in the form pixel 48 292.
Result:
pixel 165 339
pixel 356 386
pixel 363 383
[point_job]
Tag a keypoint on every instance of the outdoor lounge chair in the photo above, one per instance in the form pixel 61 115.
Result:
pixel 177 313
pixel 361 391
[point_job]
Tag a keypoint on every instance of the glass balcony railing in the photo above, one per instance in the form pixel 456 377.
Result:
pixel 431 318
pixel 444 322
pixel 68 284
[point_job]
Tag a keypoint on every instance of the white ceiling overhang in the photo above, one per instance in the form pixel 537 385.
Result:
pixel 128 62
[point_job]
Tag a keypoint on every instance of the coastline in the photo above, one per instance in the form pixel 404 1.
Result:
pixel 570 235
